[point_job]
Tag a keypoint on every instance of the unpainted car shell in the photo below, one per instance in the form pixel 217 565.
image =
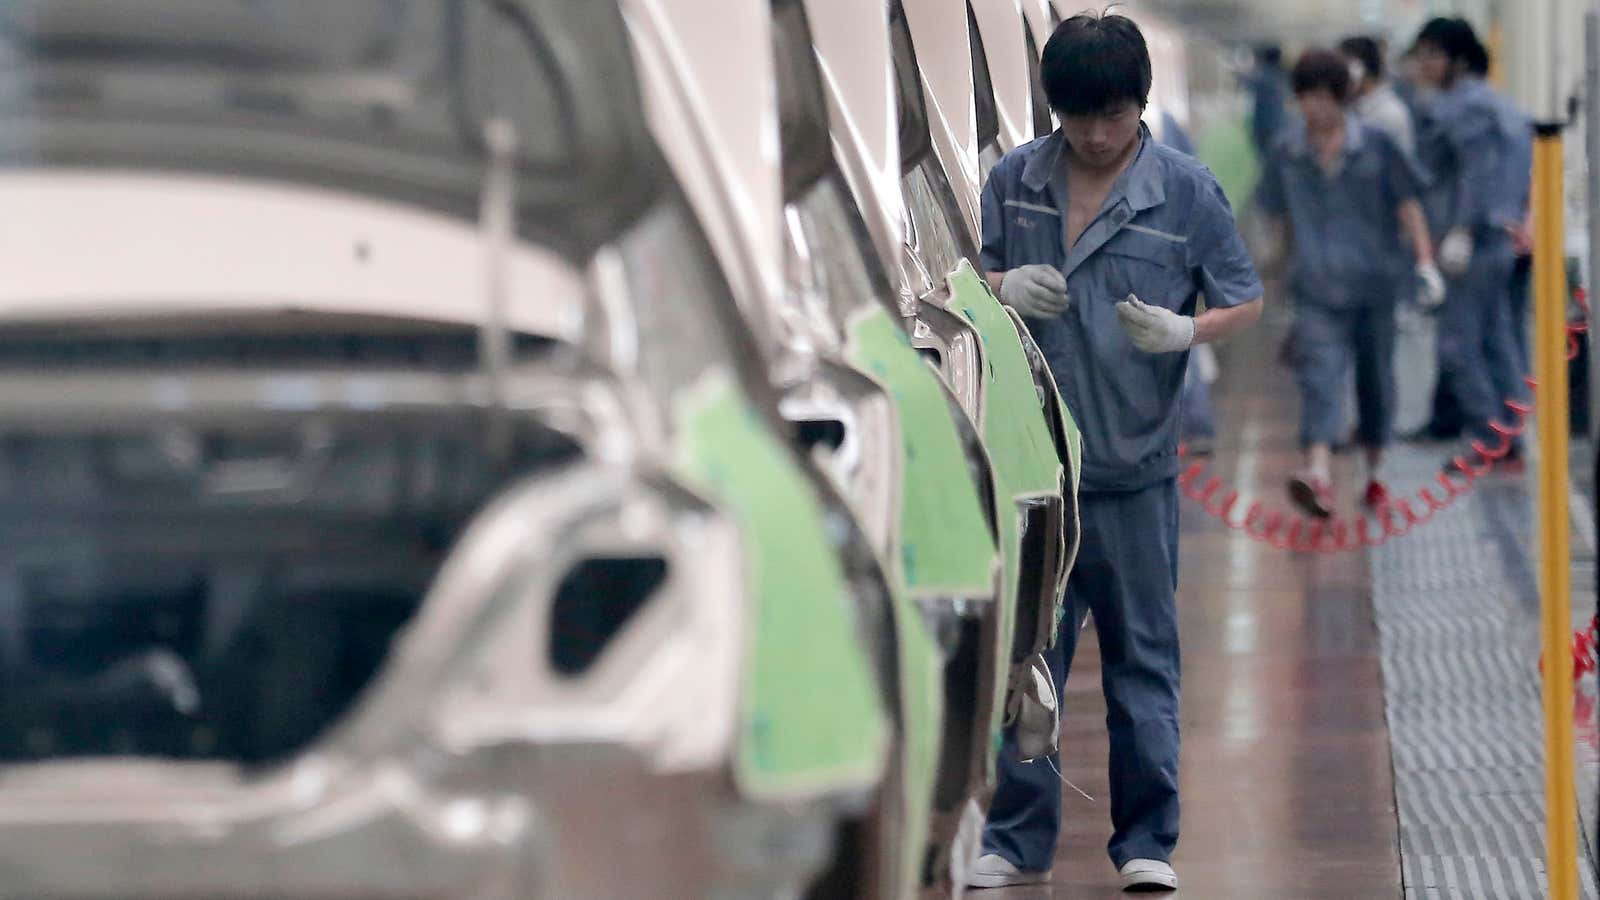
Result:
pixel 943 555
pixel 821 384
pixel 957 317
pixel 1033 435
pixel 428 770
pixel 1002 27
pixel 468 766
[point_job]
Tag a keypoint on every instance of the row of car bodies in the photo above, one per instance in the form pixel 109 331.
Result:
pixel 508 448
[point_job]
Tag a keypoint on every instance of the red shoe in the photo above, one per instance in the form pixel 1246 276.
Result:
pixel 1377 495
pixel 1312 494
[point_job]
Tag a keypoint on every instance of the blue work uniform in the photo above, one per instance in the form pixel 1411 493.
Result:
pixel 1269 92
pixel 1347 270
pixel 1479 149
pixel 1166 234
pixel 1199 420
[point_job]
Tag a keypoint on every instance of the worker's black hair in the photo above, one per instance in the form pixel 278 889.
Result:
pixel 1269 54
pixel 1452 37
pixel 1477 58
pixel 1093 63
pixel 1366 51
pixel 1321 70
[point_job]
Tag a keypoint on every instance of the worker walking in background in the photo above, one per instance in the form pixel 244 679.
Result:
pixel 1377 103
pixel 1348 199
pixel 1104 240
pixel 1269 95
pixel 1473 145
pixel 1373 98
pixel 1514 214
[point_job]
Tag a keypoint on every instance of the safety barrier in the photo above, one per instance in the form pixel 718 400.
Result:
pixel 1297 533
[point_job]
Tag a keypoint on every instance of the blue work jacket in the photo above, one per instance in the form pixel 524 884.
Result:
pixel 1165 234
pixel 1347 249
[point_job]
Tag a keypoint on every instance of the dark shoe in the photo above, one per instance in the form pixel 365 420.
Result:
pixel 1313 495
pixel 1431 433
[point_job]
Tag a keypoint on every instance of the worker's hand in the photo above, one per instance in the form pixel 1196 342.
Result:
pixel 1455 252
pixel 1035 291
pixel 1153 329
pixel 1521 237
pixel 1432 293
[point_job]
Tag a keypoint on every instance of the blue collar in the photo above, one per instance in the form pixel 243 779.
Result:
pixel 1298 144
pixel 1141 183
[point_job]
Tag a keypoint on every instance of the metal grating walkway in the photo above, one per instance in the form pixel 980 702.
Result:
pixel 1458 622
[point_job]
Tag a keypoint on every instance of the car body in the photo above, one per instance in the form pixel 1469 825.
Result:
pixel 955 319
pixel 943 556
pixel 1002 78
pixel 464 481
pixel 1041 19
pixel 1005 81
pixel 863 406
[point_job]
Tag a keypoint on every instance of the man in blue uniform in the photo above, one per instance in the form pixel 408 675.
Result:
pixel 1477 149
pixel 1269 91
pixel 1108 243
pixel 1345 194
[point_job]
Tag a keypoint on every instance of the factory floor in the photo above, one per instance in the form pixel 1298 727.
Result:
pixel 1356 725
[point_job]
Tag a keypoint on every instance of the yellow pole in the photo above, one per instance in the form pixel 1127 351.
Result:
pixel 1555 572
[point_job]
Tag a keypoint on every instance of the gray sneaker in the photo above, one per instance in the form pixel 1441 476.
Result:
pixel 993 870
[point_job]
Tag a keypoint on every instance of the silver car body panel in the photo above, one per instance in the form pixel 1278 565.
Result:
pixel 852 46
pixel 254 247
pixel 1000 28
pixel 708 90
pixel 939 29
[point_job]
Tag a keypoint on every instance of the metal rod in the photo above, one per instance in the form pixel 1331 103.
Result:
pixel 497 222
pixel 1555 564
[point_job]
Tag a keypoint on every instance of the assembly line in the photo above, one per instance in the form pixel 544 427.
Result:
pixel 502 449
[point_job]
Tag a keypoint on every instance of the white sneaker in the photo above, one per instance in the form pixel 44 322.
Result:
pixel 1144 875
pixel 993 870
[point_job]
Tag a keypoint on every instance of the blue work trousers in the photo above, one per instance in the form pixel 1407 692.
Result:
pixel 1326 341
pixel 1521 293
pixel 1477 340
pixel 1126 576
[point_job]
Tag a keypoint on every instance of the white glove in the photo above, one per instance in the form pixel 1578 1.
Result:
pixel 1455 253
pixel 1035 291
pixel 1432 293
pixel 1153 329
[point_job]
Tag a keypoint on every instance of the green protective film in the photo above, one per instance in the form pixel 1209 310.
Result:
pixel 945 549
pixel 1014 427
pixel 1015 431
pixel 945 544
pixel 813 720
